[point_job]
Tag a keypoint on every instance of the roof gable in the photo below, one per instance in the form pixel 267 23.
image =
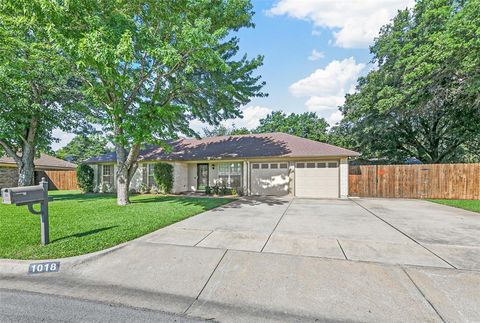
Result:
pixel 43 161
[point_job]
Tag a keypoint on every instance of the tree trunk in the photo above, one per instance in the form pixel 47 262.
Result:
pixel 123 184
pixel 26 167
pixel 126 168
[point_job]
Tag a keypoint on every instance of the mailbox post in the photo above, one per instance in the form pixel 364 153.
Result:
pixel 30 195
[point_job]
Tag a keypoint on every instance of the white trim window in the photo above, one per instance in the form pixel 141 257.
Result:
pixel 107 174
pixel 230 174
pixel 150 178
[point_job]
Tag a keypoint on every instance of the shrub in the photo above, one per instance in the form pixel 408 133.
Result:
pixel 107 188
pixel 224 190
pixel 143 189
pixel 163 175
pixel 216 189
pixel 208 190
pixel 85 175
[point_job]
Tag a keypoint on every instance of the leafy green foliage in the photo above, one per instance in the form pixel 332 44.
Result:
pixel 422 100
pixel 85 177
pixel 219 130
pixel 150 67
pixel 163 176
pixel 240 131
pixel 306 125
pixel 40 91
pixel 222 130
pixel 84 223
pixel 82 147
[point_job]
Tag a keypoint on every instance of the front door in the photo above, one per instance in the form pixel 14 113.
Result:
pixel 202 176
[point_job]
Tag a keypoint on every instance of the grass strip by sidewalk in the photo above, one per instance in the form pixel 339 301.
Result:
pixel 84 223
pixel 470 205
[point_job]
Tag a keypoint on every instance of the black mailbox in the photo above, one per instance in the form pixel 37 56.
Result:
pixel 23 195
pixel 30 195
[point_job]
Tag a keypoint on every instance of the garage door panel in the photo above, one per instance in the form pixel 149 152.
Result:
pixel 317 182
pixel 268 181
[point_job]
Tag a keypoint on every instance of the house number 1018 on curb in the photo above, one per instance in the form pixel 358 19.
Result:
pixel 45 267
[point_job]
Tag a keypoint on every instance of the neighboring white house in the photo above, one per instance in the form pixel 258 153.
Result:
pixel 257 164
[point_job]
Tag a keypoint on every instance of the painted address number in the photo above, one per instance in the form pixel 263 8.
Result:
pixel 44 267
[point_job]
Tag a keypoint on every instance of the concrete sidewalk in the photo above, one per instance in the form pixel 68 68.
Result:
pixel 246 286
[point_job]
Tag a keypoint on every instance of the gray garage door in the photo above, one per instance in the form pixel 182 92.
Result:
pixel 269 178
pixel 319 179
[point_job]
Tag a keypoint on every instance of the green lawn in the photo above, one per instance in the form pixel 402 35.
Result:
pixel 470 205
pixel 83 223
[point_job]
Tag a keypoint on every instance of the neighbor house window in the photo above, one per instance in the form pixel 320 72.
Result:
pixel 107 174
pixel 273 166
pixel 310 165
pixel 332 165
pixel 255 166
pixel 264 166
pixel 300 165
pixel 283 165
pixel 230 174
pixel 321 165
pixel 150 178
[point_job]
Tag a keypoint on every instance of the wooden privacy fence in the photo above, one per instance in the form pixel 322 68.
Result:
pixel 443 181
pixel 59 179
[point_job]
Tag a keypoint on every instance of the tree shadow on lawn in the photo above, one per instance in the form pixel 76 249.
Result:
pixel 86 233
pixel 206 202
pixel 138 199
pixel 82 196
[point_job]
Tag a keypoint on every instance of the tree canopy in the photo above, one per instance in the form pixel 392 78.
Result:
pixel 152 66
pixel 82 147
pixel 422 99
pixel 306 125
pixel 39 92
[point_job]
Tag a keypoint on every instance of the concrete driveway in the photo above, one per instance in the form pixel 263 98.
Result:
pixel 274 259
pixel 406 232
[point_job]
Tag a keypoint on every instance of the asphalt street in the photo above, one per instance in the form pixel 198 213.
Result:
pixel 20 306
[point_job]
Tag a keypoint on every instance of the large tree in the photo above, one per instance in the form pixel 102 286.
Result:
pixel 422 100
pixel 82 147
pixel 152 66
pixel 38 91
pixel 306 125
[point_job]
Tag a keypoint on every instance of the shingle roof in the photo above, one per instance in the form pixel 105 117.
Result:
pixel 275 144
pixel 44 161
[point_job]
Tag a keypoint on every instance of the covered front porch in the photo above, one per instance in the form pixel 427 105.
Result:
pixel 229 174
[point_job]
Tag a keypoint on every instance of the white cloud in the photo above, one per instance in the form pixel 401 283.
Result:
pixel 355 23
pixel 319 103
pixel 316 55
pixel 326 87
pixel 251 117
pixel 335 118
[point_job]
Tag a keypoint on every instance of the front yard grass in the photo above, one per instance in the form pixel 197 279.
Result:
pixel 470 205
pixel 84 223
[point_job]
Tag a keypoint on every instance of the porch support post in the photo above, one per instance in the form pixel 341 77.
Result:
pixel 246 177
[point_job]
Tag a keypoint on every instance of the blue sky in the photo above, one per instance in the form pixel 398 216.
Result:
pixel 314 52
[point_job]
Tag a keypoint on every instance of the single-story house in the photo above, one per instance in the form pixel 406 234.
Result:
pixel 44 164
pixel 256 164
